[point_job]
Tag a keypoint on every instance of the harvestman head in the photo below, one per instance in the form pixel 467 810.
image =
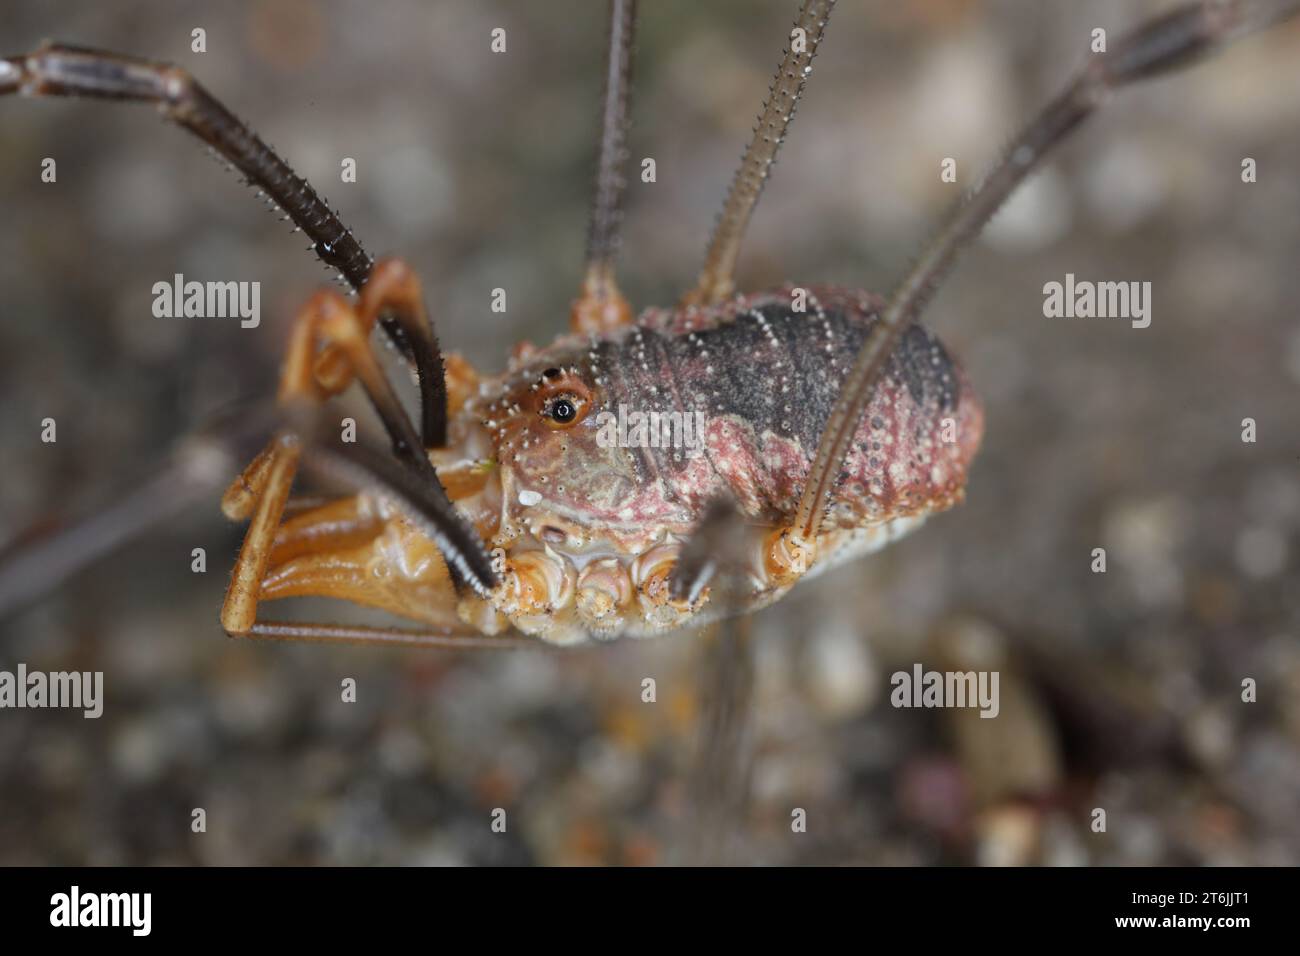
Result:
pixel 331 342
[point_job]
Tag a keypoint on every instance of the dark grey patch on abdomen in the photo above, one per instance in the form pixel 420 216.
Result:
pixel 749 369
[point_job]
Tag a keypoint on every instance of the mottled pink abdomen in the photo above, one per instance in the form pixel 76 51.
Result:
pixel 765 378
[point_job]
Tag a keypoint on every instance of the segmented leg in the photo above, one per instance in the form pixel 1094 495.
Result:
pixel 1158 46
pixel 716 546
pixel 51 551
pixel 722 767
pixel 718 556
pixel 716 281
pixel 268 481
pixel 731 558
pixel 263 489
pixel 57 70
pixel 600 305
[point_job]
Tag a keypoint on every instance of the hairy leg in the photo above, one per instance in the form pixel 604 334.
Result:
pixel 716 280
pixel 600 305
pixel 58 70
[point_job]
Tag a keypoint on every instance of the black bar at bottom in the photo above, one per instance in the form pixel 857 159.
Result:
pixel 333 906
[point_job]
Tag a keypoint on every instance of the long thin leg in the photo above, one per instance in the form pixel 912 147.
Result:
pixel 49 552
pixel 715 547
pixel 722 769
pixel 716 280
pixel 600 305
pixel 1159 46
pixel 719 781
pixel 46 555
pixel 57 70
pixel 362 635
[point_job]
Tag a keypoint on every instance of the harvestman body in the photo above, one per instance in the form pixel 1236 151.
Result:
pixel 833 423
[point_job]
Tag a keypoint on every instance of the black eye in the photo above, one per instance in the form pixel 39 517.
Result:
pixel 551 373
pixel 563 410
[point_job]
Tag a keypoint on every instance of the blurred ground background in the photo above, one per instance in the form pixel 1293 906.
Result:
pixel 1118 691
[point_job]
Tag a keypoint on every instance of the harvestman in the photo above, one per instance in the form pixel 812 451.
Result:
pixel 498 513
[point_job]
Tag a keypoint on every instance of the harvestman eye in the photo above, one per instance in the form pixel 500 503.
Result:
pixel 563 410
